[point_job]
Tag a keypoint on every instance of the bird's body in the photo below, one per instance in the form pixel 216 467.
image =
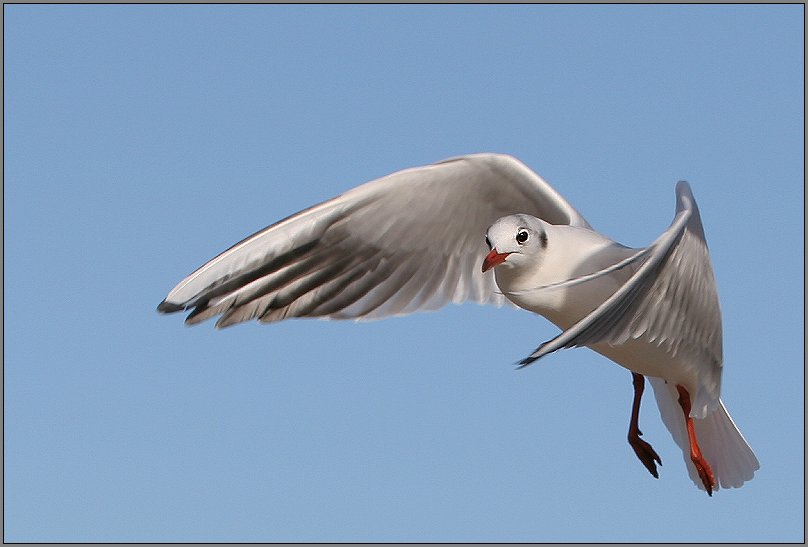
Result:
pixel 577 252
pixel 413 241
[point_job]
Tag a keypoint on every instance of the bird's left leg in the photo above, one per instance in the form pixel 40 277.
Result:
pixel 644 451
pixel 704 469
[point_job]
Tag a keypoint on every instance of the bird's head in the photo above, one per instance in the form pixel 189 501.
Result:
pixel 514 241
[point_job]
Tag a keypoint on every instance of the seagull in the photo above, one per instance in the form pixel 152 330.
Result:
pixel 413 240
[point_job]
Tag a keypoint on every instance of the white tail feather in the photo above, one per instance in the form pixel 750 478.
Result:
pixel 721 443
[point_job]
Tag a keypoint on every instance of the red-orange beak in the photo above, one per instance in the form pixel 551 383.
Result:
pixel 493 258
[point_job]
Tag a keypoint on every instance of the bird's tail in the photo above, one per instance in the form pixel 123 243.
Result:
pixel 721 443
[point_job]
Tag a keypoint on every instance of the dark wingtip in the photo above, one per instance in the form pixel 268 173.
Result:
pixel 525 362
pixel 532 358
pixel 169 307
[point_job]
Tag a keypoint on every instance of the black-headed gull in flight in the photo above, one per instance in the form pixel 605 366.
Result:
pixel 414 240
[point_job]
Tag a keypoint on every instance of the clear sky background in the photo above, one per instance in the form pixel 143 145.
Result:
pixel 140 141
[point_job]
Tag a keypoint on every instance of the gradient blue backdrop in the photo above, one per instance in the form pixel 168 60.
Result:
pixel 142 140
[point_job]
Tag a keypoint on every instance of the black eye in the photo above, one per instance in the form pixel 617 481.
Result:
pixel 521 236
pixel 488 242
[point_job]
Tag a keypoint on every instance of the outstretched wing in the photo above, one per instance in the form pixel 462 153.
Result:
pixel 671 299
pixel 405 242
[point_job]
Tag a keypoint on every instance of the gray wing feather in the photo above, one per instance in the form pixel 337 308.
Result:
pixel 406 242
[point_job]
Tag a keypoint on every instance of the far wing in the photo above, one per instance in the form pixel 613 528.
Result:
pixel 409 241
pixel 671 299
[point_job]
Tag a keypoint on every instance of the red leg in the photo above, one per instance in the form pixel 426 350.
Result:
pixel 705 472
pixel 642 449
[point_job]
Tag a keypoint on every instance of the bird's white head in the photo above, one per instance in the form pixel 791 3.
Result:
pixel 514 241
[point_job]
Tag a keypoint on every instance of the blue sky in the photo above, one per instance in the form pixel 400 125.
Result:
pixel 140 141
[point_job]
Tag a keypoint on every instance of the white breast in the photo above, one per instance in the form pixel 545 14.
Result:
pixel 571 253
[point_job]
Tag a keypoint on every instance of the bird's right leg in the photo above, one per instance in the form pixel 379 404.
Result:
pixel 644 451
pixel 705 471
